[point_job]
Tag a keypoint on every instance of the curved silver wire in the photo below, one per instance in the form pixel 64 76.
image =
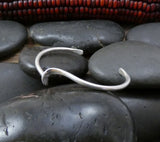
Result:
pixel 45 74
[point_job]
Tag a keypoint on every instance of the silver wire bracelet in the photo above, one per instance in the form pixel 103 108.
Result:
pixel 45 74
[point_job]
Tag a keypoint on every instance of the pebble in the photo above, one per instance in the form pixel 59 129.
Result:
pixel 144 106
pixel 88 35
pixel 67 113
pixel 12 37
pixel 15 82
pixel 66 60
pixel 148 33
pixel 140 60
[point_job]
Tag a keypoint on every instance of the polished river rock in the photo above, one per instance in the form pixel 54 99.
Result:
pixel 148 33
pixel 144 106
pixel 14 82
pixel 88 35
pixel 65 60
pixel 66 113
pixel 140 60
pixel 12 37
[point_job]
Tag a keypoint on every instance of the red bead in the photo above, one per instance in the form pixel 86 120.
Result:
pixel 5 5
pixel 66 9
pixel 110 3
pixel 35 4
pixel 115 3
pixel 80 2
pixel 94 11
pixel 81 10
pixel 30 3
pixel 102 2
pixel 71 2
pixel 127 3
pixel 20 4
pixel 148 8
pixel 63 2
pixel 144 6
pixel 135 5
pixel 53 3
pixel 153 7
pixel 106 2
pixel 58 2
pixel 140 4
pixel 49 3
pixel 86 10
pixel 40 4
pixel 77 10
pixel 51 11
pixel 38 11
pixel 76 2
pixel 131 4
pixel 97 2
pixel 88 2
pixel 57 10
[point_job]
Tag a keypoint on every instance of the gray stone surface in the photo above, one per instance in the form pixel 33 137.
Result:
pixel 14 82
pixel 12 37
pixel 140 60
pixel 66 114
pixel 144 106
pixel 149 33
pixel 65 60
pixel 87 35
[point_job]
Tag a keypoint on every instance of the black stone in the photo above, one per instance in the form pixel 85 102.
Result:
pixel 89 78
pixel 144 106
pixel 66 114
pixel 12 37
pixel 65 60
pixel 89 35
pixel 140 60
pixel 14 82
pixel 149 33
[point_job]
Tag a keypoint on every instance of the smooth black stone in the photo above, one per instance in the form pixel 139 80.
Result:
pixel 12 37
pixel 89 78
pixel 89 35
pixel 66 114
pixel 65 60
pixel 14 82
pixel 148 33
pixel 140 60
pixel 144 107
